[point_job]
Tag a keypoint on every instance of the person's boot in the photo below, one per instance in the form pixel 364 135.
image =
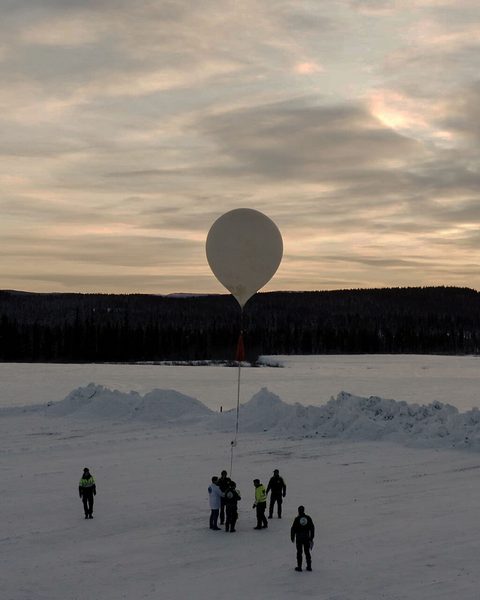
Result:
pixel 309 567
pixel 298 568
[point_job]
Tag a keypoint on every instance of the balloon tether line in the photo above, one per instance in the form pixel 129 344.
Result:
pixel 239 357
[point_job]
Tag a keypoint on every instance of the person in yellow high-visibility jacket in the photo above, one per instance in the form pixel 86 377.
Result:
pixel 260 504
pixel 87 489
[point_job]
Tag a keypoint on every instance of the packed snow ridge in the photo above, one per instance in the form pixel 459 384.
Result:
pixel 346 417
pixel 96 401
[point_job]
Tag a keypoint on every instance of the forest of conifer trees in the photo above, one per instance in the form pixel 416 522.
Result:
pixel 135 327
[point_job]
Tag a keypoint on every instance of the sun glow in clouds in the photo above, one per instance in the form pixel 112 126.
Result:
pixel 308 68
pixel 409 115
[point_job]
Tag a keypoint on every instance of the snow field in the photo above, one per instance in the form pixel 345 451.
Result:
pixel 309 380
pixel 391 486
pixel 391 521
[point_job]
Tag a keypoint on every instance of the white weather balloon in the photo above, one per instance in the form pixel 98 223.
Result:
pixel 244 249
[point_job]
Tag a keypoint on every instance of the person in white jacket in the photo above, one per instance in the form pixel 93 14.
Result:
pixel 215 496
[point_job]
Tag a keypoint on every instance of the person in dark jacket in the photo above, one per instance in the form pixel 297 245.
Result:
pixel 232 496
pixel 277 488
pixel 303 532
pixel 222 483
pixel 87 490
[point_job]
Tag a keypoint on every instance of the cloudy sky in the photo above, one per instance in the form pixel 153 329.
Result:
pixel 128 127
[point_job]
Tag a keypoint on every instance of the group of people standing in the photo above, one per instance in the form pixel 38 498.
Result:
pixel 224 497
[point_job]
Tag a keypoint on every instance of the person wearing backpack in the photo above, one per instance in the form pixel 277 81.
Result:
pixel 232 496
pixel 303 532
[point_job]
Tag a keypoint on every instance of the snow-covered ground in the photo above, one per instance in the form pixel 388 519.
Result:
pixel 305 379
pixel 387 470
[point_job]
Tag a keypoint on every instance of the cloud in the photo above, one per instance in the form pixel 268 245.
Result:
pixel 463 115
pixel 128 128
pixel 374 7
pixel 439 52
pixel 387 7
pixel 295 140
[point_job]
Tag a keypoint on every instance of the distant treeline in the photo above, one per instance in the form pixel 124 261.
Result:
pixel 136 327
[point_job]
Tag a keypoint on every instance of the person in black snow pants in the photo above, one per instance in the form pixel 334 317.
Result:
pixel 277 488
pixel 303 532
pixel 87 490
pixel 260 504
pixel 232 496
pixel 222 483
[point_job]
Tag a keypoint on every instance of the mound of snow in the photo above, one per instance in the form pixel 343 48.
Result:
pixel 356 418
pixel 97 402
pixel 265 412
pixel 270 361
pixel 346 417
pixel 170 405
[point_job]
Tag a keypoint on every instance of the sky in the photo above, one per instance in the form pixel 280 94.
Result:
pixel 128 128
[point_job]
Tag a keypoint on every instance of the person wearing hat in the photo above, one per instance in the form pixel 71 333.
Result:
pixel 87 490
pixel 222 483
pixel 232 496
pixel 303 532
pixel 260 504
pixel 277 488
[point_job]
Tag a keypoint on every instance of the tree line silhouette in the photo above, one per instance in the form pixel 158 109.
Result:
pixel 138 327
